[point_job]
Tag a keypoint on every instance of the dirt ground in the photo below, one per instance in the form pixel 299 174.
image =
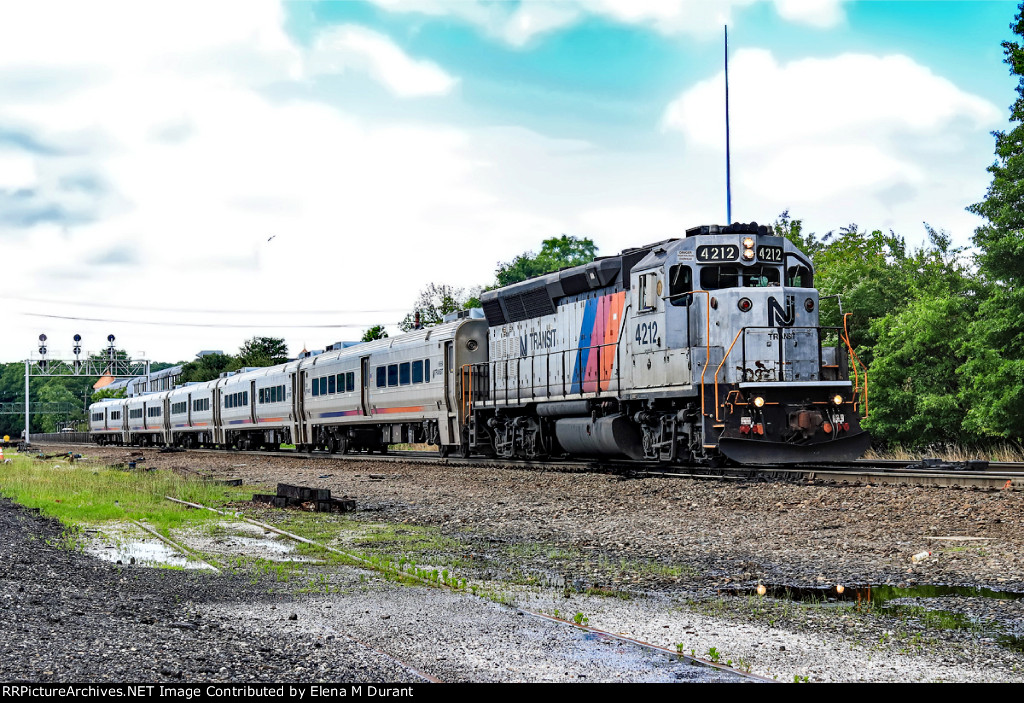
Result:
pixel 700 545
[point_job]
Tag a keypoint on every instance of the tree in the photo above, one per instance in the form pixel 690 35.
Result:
pixel 786 226
pixel 263 351
pixel 555 253
pixel 208 367
pixel 1001 239
pixel 104 393
pixel 375 332
pixel 993 375
pixel 437 300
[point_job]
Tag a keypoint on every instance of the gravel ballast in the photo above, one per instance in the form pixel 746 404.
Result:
pixel 654 559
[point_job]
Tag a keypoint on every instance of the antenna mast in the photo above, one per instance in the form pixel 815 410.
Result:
pixel 728 173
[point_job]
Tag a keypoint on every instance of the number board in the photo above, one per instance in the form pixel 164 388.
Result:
pixel 771 254
pixel 718 252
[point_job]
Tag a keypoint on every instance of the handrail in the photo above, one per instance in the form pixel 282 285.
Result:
pixel 726 356
pixel 563 352
pixel 849 346
pixel 707 342
pixel 781 374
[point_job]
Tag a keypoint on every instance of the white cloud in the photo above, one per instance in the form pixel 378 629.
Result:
pixel 877 139
pixel 351 47
pixel 817 13
pixel 518 23
pixel 772 104
pixel 154 172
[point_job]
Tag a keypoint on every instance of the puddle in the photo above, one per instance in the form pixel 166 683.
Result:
pixel 968 608
pixel 126 543
pixel 243 539
pixel 123 543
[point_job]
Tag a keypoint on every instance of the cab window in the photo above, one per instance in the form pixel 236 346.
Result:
pixel 680 282
pixel 715 277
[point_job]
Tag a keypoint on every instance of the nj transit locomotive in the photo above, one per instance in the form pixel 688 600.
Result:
pixel 688 350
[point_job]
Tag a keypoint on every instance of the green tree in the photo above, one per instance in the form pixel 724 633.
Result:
pixel 864 269
pixel 263 351
pixel 375 332
pixel 1001 238
pixel 104 393
pixel 209 367
pixel 917 397
pixel 437 300
pixel 555 253
pixel 993 375
pixel 793 230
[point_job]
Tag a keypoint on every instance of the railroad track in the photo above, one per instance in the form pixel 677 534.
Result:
pixel 927 472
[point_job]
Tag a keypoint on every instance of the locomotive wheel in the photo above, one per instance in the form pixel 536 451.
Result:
pixel 343 445
pixel 464 450
pixel 443 450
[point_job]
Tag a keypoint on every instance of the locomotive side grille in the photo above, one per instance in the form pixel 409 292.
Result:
pixel 514 306
pixel 537 302
pixel 492 311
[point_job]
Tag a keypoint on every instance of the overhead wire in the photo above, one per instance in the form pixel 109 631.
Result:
pixel 164 323
pixel 143 308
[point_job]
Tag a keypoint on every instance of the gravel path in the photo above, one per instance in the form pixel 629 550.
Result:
pixel 656 558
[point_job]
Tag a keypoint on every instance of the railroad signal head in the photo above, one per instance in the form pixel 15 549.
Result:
pixel 110 338
pixel 42 338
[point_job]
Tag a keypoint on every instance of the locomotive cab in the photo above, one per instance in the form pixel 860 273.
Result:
pixel 733 312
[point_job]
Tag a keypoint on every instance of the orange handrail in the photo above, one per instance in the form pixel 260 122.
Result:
pixel 856 378
pixel 734 340
pixel 707 342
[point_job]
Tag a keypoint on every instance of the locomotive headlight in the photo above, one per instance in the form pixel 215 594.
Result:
pixel 758 402
pixel 748 254
pixel 748 242
pixel 837 400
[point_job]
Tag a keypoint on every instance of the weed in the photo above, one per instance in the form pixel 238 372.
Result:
pixel 580 619
pixel 714 655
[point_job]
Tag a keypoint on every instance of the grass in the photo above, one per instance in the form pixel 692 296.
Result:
pixel 1007 451
pixel 80 494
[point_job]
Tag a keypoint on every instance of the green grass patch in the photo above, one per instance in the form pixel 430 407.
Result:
pixel 82 494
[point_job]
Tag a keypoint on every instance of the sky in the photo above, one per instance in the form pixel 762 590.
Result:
pixel 188 175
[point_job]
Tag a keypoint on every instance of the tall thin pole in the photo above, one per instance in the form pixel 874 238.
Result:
pixel 728 172
pixel 26 401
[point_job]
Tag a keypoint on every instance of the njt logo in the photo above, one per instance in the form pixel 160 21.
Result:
pixel 779 317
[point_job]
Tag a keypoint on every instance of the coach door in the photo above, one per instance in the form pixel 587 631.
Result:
pixel 298 406
pixel 364 385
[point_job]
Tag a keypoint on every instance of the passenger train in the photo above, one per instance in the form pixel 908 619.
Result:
pixel 701 349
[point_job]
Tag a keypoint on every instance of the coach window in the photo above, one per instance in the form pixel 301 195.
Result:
pixel 382 377
pixel 403 373
pixel 426 370
pixel 350 381
pixel 417 372
pixel 680 283
pixel 392 375
pixel 332 382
